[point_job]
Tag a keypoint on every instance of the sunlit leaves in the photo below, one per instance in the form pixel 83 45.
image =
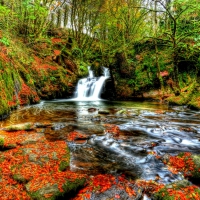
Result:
pixel 111 128
pixel 34 163
pixel 103 182
pixel 182 163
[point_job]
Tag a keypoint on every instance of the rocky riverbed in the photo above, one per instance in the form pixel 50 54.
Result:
pixel 100 150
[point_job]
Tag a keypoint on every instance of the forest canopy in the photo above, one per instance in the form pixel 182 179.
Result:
pixel 147 44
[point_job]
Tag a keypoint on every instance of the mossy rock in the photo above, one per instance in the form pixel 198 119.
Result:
pixel 122 112
pixel 176 190
pixel 177 100
pixel 52 192
pixel 2 143
pixel 195 102
pixel 185 98
pixel 104 112
pixel 63 165
pixel 19 178
pixel 73 186
pixel 196 173
pixel 19 127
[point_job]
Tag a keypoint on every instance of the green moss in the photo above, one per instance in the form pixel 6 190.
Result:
pixel 172 191
pixel 19 178
pixel 177 100
pixel 63 165
pixel 194 102
pixel 196 172
pixel 2 158
pixel 20 127
pixel 70 187
pixel 188 96
pixel 73 186
pixel 1 143
pixel 36 195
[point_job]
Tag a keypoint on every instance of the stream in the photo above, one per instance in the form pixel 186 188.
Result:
pixel 144 127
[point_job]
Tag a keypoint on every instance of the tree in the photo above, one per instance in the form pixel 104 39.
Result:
pixel 120 25
pixel 174 34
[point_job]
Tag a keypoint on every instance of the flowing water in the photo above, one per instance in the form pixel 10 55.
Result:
pixel 90 88
pixel 143 127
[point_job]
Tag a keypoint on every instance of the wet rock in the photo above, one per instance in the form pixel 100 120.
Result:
pixel 6 144
pixel 80 141
pixel 187 129
pixel 135 150
pixel 58 126
pixel 173 191
pixel 42 125
pixel 59 131
pixel 96 118
pixel 67 187
pixel 47 191
pixel 118 193
pixel 18 127
pixel 165 158
pixel 19 178
pixel 104 112
pixel 91 129
pixel 77 136
pixel 149 144
pixel 2 142
pixel 196 171
pixel 106 186
pixel 92 109
pixel 121 112
pixel 32 138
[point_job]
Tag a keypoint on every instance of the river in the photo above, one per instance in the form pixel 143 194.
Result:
pixel 117 137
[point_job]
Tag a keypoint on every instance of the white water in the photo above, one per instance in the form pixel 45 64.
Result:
pixel 89 89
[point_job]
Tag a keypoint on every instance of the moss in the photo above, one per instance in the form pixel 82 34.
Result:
pixel 19 178
pixel 188 96
pixel 63 165
pixel 2 143
pixel 70 188
pixel 73 186
pixel 19 67
pixel 177 100
pixel 35 195
pixel 196 173
pixel 176 190
pixel 20 127
pixel 194 103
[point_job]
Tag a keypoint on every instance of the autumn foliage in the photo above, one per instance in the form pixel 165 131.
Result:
pixel 103 182
pixel 27 95
pixel 184 162
pixel 32 164
pixel 112 128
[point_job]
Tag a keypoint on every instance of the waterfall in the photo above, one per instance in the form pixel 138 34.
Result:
pixel 90 88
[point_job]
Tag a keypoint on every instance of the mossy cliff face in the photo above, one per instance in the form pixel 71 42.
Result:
pixel 29 73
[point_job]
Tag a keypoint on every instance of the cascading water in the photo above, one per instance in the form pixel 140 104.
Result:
pixel 90 88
